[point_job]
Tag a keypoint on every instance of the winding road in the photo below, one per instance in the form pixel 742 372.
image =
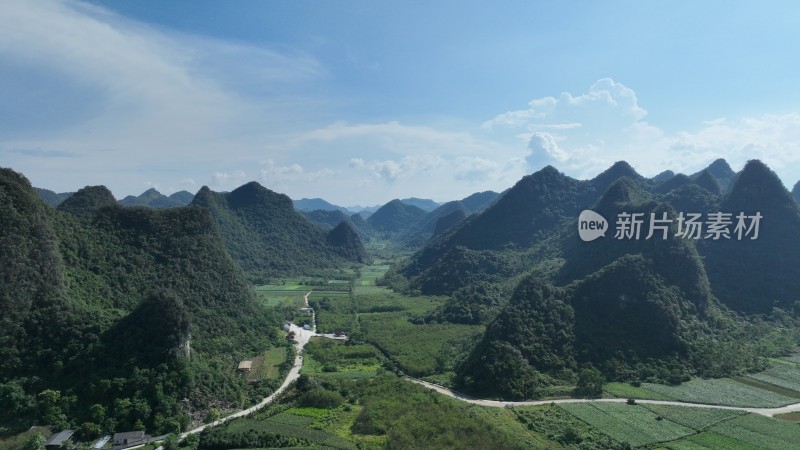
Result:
pixel 769 412
pixel 302 337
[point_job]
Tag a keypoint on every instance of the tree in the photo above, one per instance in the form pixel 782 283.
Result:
pixel 590 383
pixel 35 442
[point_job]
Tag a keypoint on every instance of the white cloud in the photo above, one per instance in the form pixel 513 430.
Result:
pixel 126 93
pixel 544 150
pixel 228 180
pixel 584 134
pixel 607 103
pixel 356 162
pixel 281 178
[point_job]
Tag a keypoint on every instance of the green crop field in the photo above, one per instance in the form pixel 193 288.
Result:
pixel 628 423
pixel 760 432
pixel 289 418
pixel 709 440
pixel 792 359
pixel 283 287
pixel 330 358
pixel 695 418
pixel 267 365
pixel 244 426
pixel 334 312
pixel 388 301
pixel 783 375
pixel 625 390
pixel 367 289
pixel 724 392
pixel 419 349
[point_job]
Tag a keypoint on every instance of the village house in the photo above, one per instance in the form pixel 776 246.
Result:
pixel 129 439
pixel 59 439
pixel 245 366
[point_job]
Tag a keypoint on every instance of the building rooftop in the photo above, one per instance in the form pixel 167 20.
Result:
pixel 129 436
pixel 246 365
pixel 59 438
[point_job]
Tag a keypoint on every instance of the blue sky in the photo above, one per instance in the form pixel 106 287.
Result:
pixel 362 102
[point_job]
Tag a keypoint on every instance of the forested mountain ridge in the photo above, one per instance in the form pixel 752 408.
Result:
pixel 268 237
pixel 755 275
pixel 643 308
pixel 112 316
pixel 394 217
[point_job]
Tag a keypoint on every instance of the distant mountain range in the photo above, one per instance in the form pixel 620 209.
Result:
pixel 155 199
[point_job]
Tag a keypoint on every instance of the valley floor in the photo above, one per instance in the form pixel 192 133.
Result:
pixel 373 408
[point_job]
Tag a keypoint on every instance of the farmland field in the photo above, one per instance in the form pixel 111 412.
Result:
pixel 388 301
pixel 628 423
pixel 695 418
pixel 267 365
pixel 334 312
pixel 793 359
pixel 289 295
pixel 243 427
pixel 709 440
pixel 760 432
pixel 783 375
pixel 724 392
pixel 418 349
pixel 626 390
pixel 331 358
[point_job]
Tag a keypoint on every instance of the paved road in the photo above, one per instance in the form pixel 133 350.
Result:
pixel 769 412
pixel 301 337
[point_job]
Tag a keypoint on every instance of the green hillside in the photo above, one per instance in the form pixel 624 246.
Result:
pixel 267 237
pixel 662 308
pixel 113 316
